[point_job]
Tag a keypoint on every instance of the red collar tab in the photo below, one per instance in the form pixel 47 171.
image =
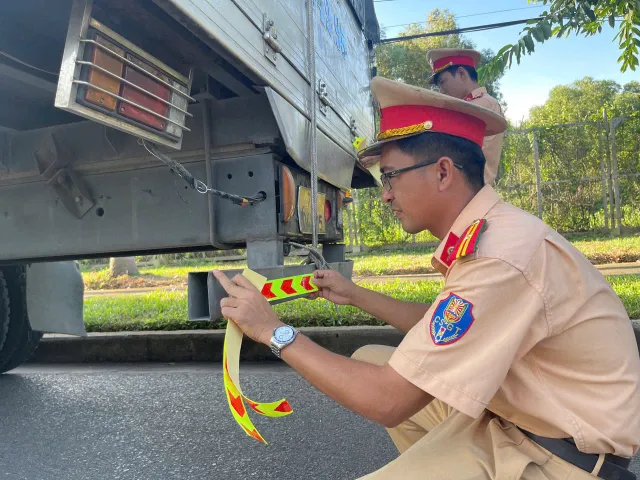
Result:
pixel 473 95
pixel 449 246
pixel 446 62
pixel 468 242
pixel 400 120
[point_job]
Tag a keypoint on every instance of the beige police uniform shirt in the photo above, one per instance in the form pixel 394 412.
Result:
pixel 492 145
pixel 527 328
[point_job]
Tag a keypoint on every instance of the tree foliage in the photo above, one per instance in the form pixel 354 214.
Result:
pixel 581 17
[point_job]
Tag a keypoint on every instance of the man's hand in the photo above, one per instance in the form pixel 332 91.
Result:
pixel 333 286
pixel 246 306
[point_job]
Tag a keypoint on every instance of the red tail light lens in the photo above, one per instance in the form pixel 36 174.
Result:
pixel 143 99
pixel 327 210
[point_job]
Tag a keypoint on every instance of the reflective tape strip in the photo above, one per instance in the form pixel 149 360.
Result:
pixel 283 288
pixel 231 371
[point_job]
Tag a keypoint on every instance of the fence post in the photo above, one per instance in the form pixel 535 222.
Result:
pixel 612 213
pixel 603 173
pixel 349 210
pixel 538 179
pixel 614 173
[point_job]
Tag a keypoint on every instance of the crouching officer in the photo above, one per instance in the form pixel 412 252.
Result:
pixel 524 367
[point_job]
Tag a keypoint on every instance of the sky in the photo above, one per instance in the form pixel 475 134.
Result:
pixel 556 62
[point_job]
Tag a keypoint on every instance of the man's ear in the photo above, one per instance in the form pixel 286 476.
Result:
pixel 444 171
pixel 462 72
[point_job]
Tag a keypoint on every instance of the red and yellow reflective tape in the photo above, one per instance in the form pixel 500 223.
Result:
pixel 283 288
pixel 231 370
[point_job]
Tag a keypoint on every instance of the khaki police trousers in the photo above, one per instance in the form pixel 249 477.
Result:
pixel 444 444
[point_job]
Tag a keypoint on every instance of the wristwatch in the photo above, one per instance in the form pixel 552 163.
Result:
pixel 282 336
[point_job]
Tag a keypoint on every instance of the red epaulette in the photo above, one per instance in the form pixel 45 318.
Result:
pixel 468 242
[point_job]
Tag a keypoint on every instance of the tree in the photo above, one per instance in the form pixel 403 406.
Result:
pixel 582 17
pixel 407 61
pixel 581 101
pixel 123 266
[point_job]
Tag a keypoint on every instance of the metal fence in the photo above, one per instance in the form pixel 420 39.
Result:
pixel 576 177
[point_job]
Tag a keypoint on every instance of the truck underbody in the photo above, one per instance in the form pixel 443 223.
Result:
pixel 94 94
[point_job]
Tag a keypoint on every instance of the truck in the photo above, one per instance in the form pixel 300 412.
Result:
pixel 143 127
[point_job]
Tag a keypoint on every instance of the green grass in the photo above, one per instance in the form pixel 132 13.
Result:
pixel 599 249
pixel 388 263
pixel 405 262
pixel 605 249
pixel 163 310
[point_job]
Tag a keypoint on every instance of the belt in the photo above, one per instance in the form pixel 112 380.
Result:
pixel 613 468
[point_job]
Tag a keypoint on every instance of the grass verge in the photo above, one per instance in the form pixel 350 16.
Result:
pixel 164 310
pixel 598 249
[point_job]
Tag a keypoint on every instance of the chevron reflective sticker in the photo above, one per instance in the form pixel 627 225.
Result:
pixel 283 288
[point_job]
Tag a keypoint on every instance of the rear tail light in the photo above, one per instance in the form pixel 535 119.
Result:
pixel 327 210
pixel 155 111
pixel 106 78
pixel 288 192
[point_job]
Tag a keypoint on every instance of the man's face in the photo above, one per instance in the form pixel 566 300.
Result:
pixel 452 85
pixel 412 195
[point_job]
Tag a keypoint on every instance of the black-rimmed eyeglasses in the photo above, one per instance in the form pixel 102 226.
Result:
pixel 386 177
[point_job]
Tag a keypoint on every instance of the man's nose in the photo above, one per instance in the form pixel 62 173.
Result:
pixel 387 196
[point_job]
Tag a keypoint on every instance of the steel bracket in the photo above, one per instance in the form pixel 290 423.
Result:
pixel 54 163
pixel 270 35
pixel 353 128
pixel 323 96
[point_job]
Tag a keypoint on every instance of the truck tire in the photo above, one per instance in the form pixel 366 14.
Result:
pixel 19 340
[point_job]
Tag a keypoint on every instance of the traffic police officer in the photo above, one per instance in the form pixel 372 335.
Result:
pixel 524 367
pixel 454 72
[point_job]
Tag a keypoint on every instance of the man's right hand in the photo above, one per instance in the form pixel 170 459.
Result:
pixel 334 286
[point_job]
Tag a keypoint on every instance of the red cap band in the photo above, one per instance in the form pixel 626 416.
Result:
pixel 446 121
pixel 454 60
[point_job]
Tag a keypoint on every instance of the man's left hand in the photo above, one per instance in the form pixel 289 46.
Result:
pixel 246 306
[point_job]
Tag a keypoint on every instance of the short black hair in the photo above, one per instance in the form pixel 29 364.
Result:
pixel 453 69
pixel 433 145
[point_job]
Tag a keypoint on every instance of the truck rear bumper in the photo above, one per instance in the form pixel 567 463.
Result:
pixel 205 292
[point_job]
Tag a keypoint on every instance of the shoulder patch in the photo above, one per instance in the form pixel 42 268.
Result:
pixel 451 319
pixel 468 242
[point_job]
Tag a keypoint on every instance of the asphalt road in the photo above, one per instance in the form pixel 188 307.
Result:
pixel 172 422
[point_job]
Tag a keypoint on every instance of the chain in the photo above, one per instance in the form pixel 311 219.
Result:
pixel 198 185
pixel 315 257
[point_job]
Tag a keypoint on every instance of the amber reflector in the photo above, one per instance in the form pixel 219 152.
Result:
pixel 103 80
pixel 288 189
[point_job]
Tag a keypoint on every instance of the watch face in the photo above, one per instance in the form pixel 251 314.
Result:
pixel 284 334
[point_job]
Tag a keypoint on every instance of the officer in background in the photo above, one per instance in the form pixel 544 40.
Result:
pixel 524 367
pixel 454 72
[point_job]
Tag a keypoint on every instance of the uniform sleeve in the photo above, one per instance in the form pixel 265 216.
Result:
pixel 463 348
pixel 492 150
